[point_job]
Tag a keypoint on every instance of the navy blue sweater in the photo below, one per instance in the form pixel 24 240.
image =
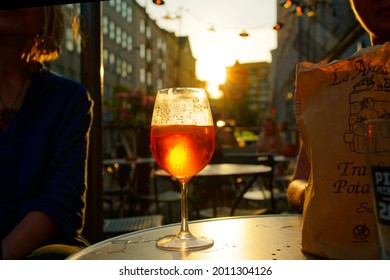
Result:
pixel 43 156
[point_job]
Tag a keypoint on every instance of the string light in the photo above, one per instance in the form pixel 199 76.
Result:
pixel 300 8
pixel 214 27
pixel 158 2
pixel 311 12
pixel 287 4
pixel 278 26
pixel 168 17
pixel 244 34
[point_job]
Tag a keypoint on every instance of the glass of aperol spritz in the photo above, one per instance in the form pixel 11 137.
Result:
pixel 182 143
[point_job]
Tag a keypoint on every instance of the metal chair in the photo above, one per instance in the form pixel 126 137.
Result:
pixel 123 217
pixel 116 191
pixel 266 189
pixel 161 195
pixel 117 226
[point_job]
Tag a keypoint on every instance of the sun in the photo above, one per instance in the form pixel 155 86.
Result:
pixel 218 52
pixel 213 71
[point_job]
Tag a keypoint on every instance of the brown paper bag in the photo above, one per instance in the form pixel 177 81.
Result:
pixel 332 100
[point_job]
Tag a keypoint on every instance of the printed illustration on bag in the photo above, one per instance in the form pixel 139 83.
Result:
pixel 368 100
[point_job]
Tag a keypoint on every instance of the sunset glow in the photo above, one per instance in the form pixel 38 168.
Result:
pixel 214 33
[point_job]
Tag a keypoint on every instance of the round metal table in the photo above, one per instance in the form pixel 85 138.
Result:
pixel 265 237
pixel 226 169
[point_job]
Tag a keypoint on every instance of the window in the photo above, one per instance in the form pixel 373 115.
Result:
pixel 105 57
pixel 118 37
pixel 118 6
pixel 112 62
pixel 149 79
pixel 69 40
pixel 164 47
pixel 142 75
pixel 105 25
pixel 124 69
pixel 142 26
pixel 142 51
pixel 129 69
pixel 160 83
pixel 78 45
pixel 112 30
pixel 129 43
pixel 124 40
pixel 148 32
pixel 149 55
pixel 129 15
pixel 118 66
pixel 124 10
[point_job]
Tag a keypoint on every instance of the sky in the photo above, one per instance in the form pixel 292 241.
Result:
pixel 215 50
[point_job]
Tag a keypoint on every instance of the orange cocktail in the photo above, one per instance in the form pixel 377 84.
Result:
pixel 182 150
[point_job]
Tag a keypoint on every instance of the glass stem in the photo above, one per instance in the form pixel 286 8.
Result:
pixel 184 230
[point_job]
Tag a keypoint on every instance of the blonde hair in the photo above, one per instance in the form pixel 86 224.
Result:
pixel 46 45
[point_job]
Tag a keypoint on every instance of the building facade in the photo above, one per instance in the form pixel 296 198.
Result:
pixel 246 93
pixel 259 94
pixel 313 31
pixel 137 53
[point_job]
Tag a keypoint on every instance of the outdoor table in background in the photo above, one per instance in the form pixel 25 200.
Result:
pixel 128 161
pixel 216 171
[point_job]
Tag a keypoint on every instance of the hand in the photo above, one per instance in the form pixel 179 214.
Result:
pixel 296 194
pixel 32 232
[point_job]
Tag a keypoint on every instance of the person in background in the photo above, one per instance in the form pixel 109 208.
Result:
pixel 283 128
pixel 289 150
pixel 270 139
pixel 374 16
pixel 45 120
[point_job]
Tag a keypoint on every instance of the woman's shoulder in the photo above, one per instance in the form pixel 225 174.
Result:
pixel 52 78
pixel 60 86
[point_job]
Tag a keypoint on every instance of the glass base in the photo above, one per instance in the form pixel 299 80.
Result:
pixel 174 243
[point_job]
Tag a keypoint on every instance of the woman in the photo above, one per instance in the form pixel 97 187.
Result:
pixel 44 127
pixel 374 16
pixel 270 139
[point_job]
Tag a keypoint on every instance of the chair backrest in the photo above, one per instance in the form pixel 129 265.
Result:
pixel 264 159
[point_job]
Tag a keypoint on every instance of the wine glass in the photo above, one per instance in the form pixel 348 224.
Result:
pixel 182 143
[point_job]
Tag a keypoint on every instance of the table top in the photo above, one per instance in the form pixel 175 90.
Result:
pixel 265 237
pixel 226 169
pixel 123 161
